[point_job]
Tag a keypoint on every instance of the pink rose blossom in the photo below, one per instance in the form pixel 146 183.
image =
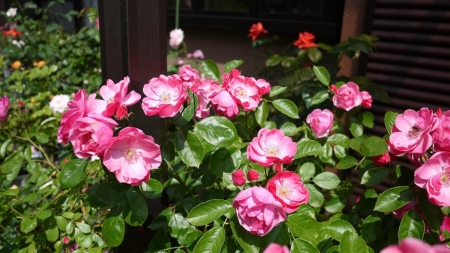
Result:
pixel 117 98
pixel 321 122
pixel 381 160
pixel 252 175
pixel 347 96
pixel 165 96
pixel 131 155
pixel 238 177
pixel 176 38
pixel 366 99
pixel 445 226
pixel 198 54
pixel 413 245
pixel 91 135
pixel 271 147
pixel 79 107
pixel 224 105
pixel 276 248
pixel 441 136
pixel 4 106
pixel 66 240
pixel 227 77
pixel 263 87
pixel 204 90
pixel 245 92
pixel 411 132
pixel 434 176
pixel 289 190
pixel 189 75
pixel 258 211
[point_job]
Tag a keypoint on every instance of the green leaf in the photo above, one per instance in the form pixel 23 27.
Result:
pixel 302 246
pixel 211 242
pixel 72 173
pixel 43 214
pixel 249 242
pixel 411 225
pixel 316 197
pixel 373 146
pixel 180 229
pixel 307 171
pixel 210 69
pixel 303 227
pixel 337 228
pixel 232 65
pixel 106 195
pixel 4 147
pixel 279 234
pixel 189 112
pixel 327 180
pixel 314 54
pixel 161 220
pixel 190 148
pixel 218 131
pixel 320 97
pixel 70 227
pixel 371 228
pixel 208 211
pixel 261 113
pixel 225 160
pixel 389 120
pixel 289 129
pixel 347 162
pixel 134 209
pixel 366 119
pixel 52 233
pixel 11 167
pixel 307 148
pixel 355 127
pixel 160 241
pixel 374 176
pixel 352 243
pixel 151 189
pixel 30 5
pixel 335 205
pixel 338 139
pixel 334 249
pixel 42 138
pixel 83 240
pixel 394 198
pixel 61 223
pixel 433 214
pixel 113 229
pixel 273 60
pixel 28 223
pixel 322 74
pixel 276 90
pixel 83 227
pixel 287 107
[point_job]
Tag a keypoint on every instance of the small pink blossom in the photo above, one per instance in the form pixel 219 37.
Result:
pixel 198 54
pixel 252 175
pixel 131 155
pixel 276 248
pixel 411 132
pixel 224 105
pixel 381 160
pixel 65 240
pixel 441 136
pixel 399 213
pixel 271 147
pixel 413 245
pixel 258 211
pixel 189 75
pixel 289 190
pixel 321 122
pixel 445 226
pixel 347 96
pixel 263 87
pixel 117 98
pixel 238 177
pixel 4 107
pixel 91 135
pixel 227 77
pixel 165 96
pixel 176 38
pixel 366 99
pixel 434 176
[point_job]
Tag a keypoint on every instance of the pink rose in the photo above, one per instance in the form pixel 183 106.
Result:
pixel 227 77
pixel 117 98
pixel 381 160
pixel 321 122
pixel 189 75
pixel 434 176
pixel 176 38
pixel 165 96
pixel 263 87
pixel 441 136
pixel 79 107
pixel 347 96
pixel 258 211
pixel 131 155
pixel 366 99
pixel 411 132
pixel 245 92
pixel 289 190
pixel 91 135
pixel 4 106
pixel 399 213
pixel 271 147
pixel 276 248
pixel 444 227
pixel 198 54
pixel 413 245
pixel 204 90
pixel 252 175
pixel 238 177
pixel 224 105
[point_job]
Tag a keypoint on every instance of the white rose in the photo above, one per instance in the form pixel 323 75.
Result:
pixel 11 12
pixel 59 103
pixel 176 37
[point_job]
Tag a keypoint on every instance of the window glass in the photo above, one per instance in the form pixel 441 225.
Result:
pixel 303 7
pixel 227 5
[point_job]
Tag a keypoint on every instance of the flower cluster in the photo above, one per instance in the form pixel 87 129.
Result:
pixel 348 96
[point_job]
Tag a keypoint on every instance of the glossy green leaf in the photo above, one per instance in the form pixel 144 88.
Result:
pixel 210 69
pixel 208 211
pixel 225 160
pixel 113 228
pixel 339 139
pixel 249 242
pixel 289 129
pixel 352 243
pixel 182 230
pixel 320 97
pixel 151 189
pixel 211 242
pixel 189 112
pixel 261 113
pixel 218 131
pixel 106 195
pixel 279 235
pixel 134 209
pixel 371 228
pixel 61 223
pixel 335 204
pixel 42 138
pixel 43 214
pixel 287 107
pixel 28 223
pixel 327 180
pixel 307 148
pixel 307 171
pixel 83 227
pixel 72 173
pixel 303 227
pixel 302 246
pixel 411 225
pixel 394 198
pixel 316 197
pixel 373 146
pixel 232 65
pixel 273 60
pixel 334 249
pixel 158 242
pixel 374 176
pixel 189 148
pixel 276 90
pixel 83 240
pixel 4 147
pixel 322 74
pixel 161 220
pixel 356 129
pixel 347 162
pixel 11 167
pixel 337 228
pixel 433 214
pixel 366 119
pixel 314 54
pixel 389 120
pixel 52 233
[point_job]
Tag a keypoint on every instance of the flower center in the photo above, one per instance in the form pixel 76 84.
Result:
pixel 164 97
pixel 272 150
pixel 284 191
pixel 445 178
pixel 414 132
pixel 130 155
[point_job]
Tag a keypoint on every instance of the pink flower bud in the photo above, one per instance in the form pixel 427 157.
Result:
pixel 20 103
pixel 65 240
pixel 238 177
pixel 252 175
